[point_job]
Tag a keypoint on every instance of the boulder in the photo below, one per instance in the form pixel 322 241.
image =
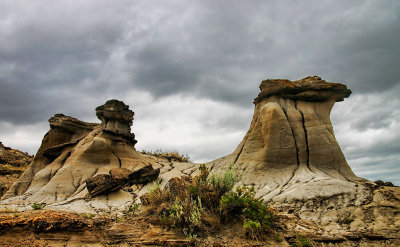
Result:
pixel 118 178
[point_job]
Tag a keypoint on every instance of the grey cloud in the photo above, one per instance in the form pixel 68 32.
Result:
pixel 386 169
pixel 215 50
pixel 375 121
pixel 378 149
pixel 48 55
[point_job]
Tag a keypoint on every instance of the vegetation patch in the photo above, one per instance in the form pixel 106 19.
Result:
pixel 169 155
pixel 301 241
pixel 37 206
pixel 88 215
pixel 199 206
pixel 133 209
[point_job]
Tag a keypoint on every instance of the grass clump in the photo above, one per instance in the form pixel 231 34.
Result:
pixel 37 206
pixel 133 209
pixel 198 206
pixel 169 155
pixel 301 241
pixel 88 215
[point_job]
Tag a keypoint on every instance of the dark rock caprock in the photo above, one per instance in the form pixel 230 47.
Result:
pixel 116 117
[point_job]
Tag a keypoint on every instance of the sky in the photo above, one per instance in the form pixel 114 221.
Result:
pixel 191 69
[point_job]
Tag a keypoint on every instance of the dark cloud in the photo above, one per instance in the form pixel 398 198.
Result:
pixel 69 57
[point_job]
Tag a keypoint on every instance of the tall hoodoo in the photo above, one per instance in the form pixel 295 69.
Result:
pixel 74 151
pixel 291 141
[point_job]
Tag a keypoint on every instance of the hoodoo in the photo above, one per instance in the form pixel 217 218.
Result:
pixel 290 149
pixel 83 166
pixel 74 151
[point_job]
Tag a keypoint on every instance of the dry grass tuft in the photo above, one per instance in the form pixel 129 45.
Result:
pixel 169 155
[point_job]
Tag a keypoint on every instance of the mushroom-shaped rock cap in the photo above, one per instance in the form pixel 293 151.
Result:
pixel 311 88
pixel 116 118
pixel 116 111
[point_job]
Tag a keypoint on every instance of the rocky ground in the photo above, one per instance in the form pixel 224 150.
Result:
pixel 58 228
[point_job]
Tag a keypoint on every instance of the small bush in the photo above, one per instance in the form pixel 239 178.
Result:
pixel 186 216
pixel 155 195
pixel 197 206
pixel 253 229
pixel 242 203
pixel 37 206
pixel 301 241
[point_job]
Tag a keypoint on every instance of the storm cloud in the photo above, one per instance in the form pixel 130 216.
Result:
pixel 190 69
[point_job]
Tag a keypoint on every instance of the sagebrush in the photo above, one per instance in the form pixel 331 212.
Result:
pixel 198 206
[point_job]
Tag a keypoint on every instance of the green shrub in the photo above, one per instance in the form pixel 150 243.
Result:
pixel 211 188
pixel 133 208
pixel 37 206
pixel 301 241
pixel 242 203
pixel 253 229
pixel 186 216
pixel 196 206
pixel 155 195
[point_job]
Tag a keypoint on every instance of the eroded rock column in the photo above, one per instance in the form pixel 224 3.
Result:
pixel 291 141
